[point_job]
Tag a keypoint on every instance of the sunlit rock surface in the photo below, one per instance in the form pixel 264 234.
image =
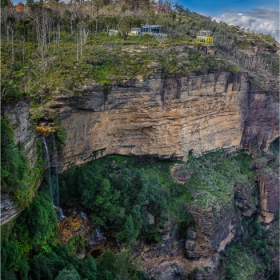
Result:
pixel 166 117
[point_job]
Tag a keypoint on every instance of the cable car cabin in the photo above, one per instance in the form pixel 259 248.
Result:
pixel 204 38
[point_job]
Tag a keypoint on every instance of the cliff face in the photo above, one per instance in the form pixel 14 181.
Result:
pixel 262 120
pixel 23 130
pixel 175 258
pixel 269 195
pixel 24 134
pixel 167 117
pixel 8 208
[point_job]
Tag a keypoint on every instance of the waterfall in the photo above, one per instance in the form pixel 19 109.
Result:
pixel 48 175
pixel 84 216
pixel 60 212
pixel 118 243
pixel 99 236
pixel 96 238
pixel 91 241
pixel 55 162
pixel 48 163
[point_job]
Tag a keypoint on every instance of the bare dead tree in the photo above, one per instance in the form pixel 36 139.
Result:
pixel 12 42
pixel 42 22
pixel 82 36
pixel 8 17
pixel 58 32
pixel 74 7
pixel 77 53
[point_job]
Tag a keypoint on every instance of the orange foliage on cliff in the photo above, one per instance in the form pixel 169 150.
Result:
pixel 44 130
pixel 19 7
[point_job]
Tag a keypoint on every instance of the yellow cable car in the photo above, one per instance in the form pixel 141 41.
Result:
pixel 204 38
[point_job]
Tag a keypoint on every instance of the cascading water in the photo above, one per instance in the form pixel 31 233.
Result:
pixel 48 163
pixel 118 243
pixel 99 236
pixel 84 216
pixel 60 212
pixel 48 175
pixel 55 164
pixel 96 238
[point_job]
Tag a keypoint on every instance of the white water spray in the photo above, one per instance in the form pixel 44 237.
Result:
pixel 48 167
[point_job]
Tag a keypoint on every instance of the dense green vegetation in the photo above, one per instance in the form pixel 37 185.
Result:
pixel 248 257
pixel 30 251
pixel 214 176
pixel 131 198
pixel 17 177
pixel 119 195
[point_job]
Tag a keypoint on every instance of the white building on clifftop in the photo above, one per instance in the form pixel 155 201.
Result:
pixel 153 30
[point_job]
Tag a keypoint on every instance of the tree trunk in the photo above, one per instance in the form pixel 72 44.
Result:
pixel 13 51
pixel 77 47
pixel 81 38
pixel 96 27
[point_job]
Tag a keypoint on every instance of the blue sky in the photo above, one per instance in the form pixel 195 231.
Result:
pixel 217 7
pixel 261 16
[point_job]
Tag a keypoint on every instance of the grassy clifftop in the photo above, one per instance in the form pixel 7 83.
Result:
pixel 60 48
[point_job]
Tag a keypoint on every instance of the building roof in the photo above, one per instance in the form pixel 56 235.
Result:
pixel 151 26
pixel 204 33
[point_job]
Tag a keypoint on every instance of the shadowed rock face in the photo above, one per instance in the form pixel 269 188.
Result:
pixel 175 258
pixel 8 208
pixel 244 199
pixel 214 230
pixel 18 118
pixel 269 196
pixel 261 121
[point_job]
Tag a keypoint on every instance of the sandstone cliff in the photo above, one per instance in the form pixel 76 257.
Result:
pixel 176 257
pixel 269 195
pixel 166 117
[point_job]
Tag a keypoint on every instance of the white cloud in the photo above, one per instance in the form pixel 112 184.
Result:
pixel 259 20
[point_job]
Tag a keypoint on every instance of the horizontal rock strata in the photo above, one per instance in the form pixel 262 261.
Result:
pixel 167 117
